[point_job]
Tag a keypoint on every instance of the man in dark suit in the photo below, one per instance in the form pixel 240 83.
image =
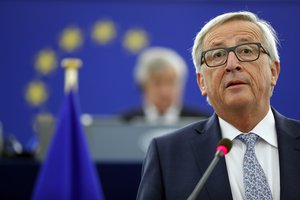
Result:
pixel 237 65
pixel 160 74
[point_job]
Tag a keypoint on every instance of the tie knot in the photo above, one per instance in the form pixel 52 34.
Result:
pixel 249 139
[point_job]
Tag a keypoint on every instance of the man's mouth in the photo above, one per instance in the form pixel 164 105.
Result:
pixel 234 83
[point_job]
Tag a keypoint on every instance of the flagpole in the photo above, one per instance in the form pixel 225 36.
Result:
pixel 71 66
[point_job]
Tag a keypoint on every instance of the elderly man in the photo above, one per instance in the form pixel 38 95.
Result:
pixel 160 74
pixel 237 65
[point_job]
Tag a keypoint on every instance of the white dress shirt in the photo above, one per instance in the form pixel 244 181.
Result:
pixel 266 150
pixel 171 116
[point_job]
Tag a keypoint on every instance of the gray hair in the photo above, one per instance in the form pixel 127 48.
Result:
pixel 156 58
pixel 269 34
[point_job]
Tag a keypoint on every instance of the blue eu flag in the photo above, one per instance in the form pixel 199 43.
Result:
pixel 68 172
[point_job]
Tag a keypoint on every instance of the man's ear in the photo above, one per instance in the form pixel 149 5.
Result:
pixel 275 70
pixel 201 84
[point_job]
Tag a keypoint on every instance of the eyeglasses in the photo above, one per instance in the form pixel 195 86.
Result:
pixel 246 52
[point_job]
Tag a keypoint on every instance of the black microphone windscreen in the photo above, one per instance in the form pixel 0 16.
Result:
pixel 225 142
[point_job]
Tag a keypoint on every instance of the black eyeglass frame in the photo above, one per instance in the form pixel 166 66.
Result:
pixel 229 49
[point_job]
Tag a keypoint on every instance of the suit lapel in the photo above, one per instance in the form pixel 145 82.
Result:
pixel 289 156
pixel 204 146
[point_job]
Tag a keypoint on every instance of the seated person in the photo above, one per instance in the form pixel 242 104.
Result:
pixel 160 74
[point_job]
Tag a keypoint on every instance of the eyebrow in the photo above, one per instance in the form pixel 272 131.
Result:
pixel 221 44
pixel 216 44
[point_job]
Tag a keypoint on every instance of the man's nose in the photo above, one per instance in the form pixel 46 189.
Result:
pixel 232 62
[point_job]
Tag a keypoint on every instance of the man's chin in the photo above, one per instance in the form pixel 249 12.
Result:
pixel 238 101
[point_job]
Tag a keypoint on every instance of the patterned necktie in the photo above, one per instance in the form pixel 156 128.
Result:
pixel 255 181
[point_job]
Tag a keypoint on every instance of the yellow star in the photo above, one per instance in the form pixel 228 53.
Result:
pixel 71 39
pixel 104 31
pixel 36 93
pixel 46 61
pixel 135 40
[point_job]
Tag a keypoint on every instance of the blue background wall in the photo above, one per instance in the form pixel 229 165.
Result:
pixel 106 80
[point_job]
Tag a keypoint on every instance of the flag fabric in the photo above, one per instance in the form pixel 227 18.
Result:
pixel 68 172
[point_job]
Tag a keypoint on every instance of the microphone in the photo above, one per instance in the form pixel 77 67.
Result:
pixel 223 148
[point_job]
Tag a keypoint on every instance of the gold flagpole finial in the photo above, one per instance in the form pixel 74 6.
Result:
pixel 71 66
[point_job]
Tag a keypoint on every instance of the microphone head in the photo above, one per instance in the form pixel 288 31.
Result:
pixel 224 145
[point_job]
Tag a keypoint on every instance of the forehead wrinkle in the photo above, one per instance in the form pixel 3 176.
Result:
pixel 241 32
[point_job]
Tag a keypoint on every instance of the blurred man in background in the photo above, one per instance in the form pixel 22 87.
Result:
pixel 160 74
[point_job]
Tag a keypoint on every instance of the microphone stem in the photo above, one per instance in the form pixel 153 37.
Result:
pixel 207 173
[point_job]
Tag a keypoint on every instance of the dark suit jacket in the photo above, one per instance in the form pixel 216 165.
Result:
pixel 138 113
pixel 175 162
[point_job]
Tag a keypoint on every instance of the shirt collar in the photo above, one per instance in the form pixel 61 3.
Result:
pixel 171 116
pixel 264 129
